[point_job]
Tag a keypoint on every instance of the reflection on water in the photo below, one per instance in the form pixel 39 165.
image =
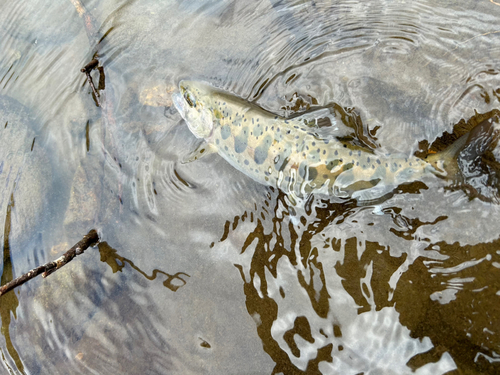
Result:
pixel 323 299
pixel 249 282
pixel 9 303
pixel 117 262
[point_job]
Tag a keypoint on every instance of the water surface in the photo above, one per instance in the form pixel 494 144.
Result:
pixel 203 270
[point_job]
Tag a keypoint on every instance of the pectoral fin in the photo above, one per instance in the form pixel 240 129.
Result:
pixel 200 151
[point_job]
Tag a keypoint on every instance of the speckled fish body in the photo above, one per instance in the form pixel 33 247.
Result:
pixel 289 154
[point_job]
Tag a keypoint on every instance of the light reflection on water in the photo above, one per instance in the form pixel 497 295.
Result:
pixel 202 270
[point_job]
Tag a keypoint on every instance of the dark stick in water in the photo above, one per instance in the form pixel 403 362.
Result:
pixel 87 69
pixel 90 239
pixel 106 101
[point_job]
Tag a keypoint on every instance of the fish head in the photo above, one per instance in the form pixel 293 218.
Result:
pixel 193 103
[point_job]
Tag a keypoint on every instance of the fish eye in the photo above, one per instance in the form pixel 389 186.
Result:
pixel 190 99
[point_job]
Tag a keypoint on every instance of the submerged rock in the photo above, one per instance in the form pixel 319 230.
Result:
pixel 157 96
pixel 25 172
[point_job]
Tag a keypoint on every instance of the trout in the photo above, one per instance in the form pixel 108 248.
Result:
pixel 291 155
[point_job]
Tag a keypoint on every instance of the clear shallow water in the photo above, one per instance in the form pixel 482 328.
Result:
pixel 243 287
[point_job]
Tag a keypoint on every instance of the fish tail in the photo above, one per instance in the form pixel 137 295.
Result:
pixel 464 157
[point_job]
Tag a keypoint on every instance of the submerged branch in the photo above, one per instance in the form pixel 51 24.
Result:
pixel 106 100
pixel 87 69
pixel 90 239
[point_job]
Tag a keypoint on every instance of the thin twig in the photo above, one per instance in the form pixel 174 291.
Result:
pixel 106 101
pixel 87 69
pixel 90 239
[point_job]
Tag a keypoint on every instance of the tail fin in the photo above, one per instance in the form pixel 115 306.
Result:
pixel 445 162
pixel 466 160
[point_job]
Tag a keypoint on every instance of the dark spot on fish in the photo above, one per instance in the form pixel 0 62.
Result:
pixel 217 141
pixel 345 146
pixel 253 122
pixel 225 147
pixel 348 166
pixel 359 153
pixel 303 169
pixel 288 131
pixel 333 163
pixel 350 153
pixel 286 122
pixel 307 147
pixel 241 141
pixel 357 163
pixel 262 149
pixel 378 161
pixel 246 162
pixel 314 143
pixel 368 160
pixel 373 166
pixel 318 150
pixel 386 165
pixel 313 173
pixel 336 152
pixel 225 131
pixel 325 176
pixel 275 117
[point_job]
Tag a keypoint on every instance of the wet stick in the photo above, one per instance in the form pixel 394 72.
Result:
pixel 90 239
pixel 87 69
